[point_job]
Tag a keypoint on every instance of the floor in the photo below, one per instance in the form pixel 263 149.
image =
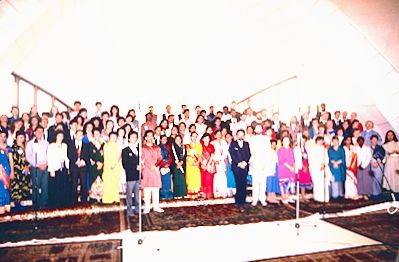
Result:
pixel 242 242
pixel 350 231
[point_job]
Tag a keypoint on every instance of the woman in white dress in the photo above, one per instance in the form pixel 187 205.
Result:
pixel 351 169
pixel 391 146
pixel 319 171
pixel 58 162
pixel 220 178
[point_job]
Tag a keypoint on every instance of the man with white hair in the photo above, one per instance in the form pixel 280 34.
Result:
pixel 369 132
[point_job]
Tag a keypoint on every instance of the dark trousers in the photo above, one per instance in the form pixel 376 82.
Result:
pixel 39 187
pixel 59 189
pixel 81 175
pixel 241 186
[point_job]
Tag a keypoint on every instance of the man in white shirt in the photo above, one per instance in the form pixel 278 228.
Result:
pixel 36 155
pixel 186 118
pixel 259 169
pixel 168 112
pixel 250 116
pixel 97 112
pixel 364 179
pixel 77 105
pixel 226 114
pixel 44 124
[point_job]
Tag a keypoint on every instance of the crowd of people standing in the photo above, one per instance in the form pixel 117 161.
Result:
pixel 62 159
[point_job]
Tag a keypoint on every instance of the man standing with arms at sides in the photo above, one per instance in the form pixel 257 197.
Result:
pixel 78 154
pixel 240 155
pixel 130 162
pixel 261 155
pixel 36 154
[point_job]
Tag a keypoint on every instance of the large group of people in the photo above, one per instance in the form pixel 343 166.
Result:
pixel 62 159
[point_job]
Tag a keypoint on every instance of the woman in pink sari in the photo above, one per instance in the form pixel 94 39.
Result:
pixel 208 168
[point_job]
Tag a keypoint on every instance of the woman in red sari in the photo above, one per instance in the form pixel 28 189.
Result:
pixel 351 170
pixel 208 168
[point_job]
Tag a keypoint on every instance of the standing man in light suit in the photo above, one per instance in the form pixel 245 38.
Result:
pixel 36 154
pixel 240 155
pixel 260 165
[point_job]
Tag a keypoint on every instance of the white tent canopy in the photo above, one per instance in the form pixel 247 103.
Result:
pixel 207 52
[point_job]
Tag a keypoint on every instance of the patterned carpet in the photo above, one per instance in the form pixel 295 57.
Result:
pixel 378 253
pixel 379 226
pixel 335 206
pixel 211 215
pixel 69 226
pixel 83 251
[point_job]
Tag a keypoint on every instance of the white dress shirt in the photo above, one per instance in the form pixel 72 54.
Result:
pixel 364 155
pixel 57 157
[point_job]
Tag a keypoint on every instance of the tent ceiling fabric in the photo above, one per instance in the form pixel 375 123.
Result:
pixel 191 49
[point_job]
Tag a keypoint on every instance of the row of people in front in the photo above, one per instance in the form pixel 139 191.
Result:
pixel 207 169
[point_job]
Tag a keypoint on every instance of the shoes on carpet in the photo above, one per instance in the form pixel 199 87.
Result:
pixel 159 210
pixel 254 203
pixel 264 203
pixel 146 211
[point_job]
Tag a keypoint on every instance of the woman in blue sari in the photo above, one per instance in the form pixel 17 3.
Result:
pixel 231 183
pixel 6 172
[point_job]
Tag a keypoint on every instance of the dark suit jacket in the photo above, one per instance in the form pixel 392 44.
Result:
pixel 336 126
pixel 238 155
pixel 51 133
pixel 73 156
pixel 129 163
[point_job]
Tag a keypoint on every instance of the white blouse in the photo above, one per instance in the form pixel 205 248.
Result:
pixel 57 157
pixel 364 156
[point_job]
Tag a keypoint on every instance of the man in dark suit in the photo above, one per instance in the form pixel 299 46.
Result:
pixel 78 154
pixel 51 131
pixel 71 132
pixel 240 155
pixel 337 120
pixel 130 162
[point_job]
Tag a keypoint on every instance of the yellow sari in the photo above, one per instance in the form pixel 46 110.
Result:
pixel 111 176
pixel 193 173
